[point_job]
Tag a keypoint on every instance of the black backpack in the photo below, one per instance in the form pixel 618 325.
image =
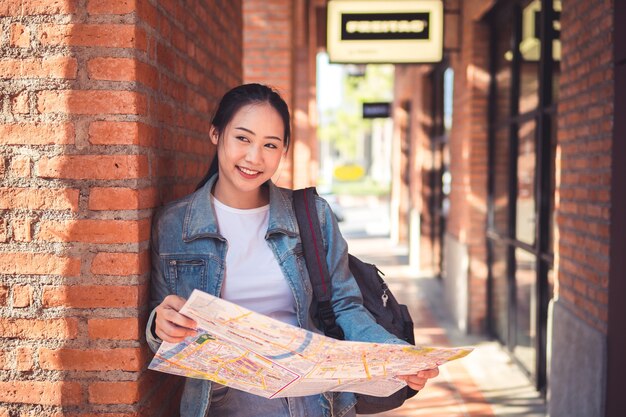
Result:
pixel 377 298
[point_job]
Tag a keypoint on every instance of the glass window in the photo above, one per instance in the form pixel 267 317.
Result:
pixel 503 75
pixel 526 308
pixel 530 49
pixel 529 86
pixel 550 282
pixel 525 202
pixel 552 217
pixel 448 93
pixel 521 84
pixel 500 292
pixel 501 172
pixel 556 49
pixel 556 74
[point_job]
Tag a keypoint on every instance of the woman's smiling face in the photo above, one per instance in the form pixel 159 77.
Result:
pixel 249 153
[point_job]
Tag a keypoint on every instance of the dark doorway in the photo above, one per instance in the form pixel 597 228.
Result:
pixel 525 55
pixel 438 178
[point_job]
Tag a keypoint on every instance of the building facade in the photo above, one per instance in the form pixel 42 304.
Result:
pixel 507 161
pixel 105 108
pixel 514 147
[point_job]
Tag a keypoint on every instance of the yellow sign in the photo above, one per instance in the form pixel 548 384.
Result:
pixel 530 45
pixel 395 31
pixel 349 172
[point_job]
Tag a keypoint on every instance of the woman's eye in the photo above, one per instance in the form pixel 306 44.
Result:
pixel 271 146
pixel 241 138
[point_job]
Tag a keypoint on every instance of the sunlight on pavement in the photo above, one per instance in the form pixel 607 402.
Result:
pixel 485 383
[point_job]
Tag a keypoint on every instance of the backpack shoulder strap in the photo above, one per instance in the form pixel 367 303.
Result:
pixel 315 257
pixel 312 244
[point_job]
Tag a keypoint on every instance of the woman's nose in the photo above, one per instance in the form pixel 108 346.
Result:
pixel 253 154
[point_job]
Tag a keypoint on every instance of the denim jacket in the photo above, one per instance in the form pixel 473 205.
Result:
pixel 188 252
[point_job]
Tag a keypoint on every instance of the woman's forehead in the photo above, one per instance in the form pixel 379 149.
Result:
pixel 260 116
pixel 256 108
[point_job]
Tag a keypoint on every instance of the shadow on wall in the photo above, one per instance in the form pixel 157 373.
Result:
pixel 95 137
pixel 95 179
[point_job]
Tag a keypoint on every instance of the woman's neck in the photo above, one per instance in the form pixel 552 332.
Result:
pixel 253 199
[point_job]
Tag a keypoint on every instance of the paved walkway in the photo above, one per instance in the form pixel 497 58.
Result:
pixel 486 383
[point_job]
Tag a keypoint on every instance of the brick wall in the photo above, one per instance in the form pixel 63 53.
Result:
pixel 468 155
pixel 280 50
pixel 585 126
pixel 104 110
pixel 268 58
pixel 428 164
pixel 268 43
pixel 416 164
pixel 408 112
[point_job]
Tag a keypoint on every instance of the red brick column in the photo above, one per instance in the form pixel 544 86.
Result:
pixel 410 150
pixel 104 111
pixel 585 135
pixel 279 41
pixel 582 365
pixel 268 57
pixel 468 157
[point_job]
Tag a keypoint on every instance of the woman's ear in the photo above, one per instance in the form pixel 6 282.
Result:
pixel 214 135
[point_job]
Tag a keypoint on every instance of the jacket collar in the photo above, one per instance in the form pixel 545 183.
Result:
pixel 200 220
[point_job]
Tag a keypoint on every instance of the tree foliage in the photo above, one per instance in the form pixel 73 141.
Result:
pixel 344 126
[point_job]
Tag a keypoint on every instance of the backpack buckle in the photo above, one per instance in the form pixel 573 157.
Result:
pixel 326 314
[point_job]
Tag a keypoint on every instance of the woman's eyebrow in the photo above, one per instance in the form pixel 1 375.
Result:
pixel 247 130
pixel 252 133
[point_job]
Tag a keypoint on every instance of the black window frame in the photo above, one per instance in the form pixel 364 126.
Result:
pixel 439 147
pixel 544 116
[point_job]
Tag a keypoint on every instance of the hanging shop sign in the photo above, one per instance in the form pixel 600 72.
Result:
pixel 400 31
pixel 530 45
pixel 374 110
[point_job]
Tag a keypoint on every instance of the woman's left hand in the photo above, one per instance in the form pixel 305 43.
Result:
pixel 418 380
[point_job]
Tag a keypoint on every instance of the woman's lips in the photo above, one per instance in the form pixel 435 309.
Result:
pixel 248 173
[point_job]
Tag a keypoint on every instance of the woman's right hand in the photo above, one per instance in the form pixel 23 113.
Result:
pixel 170 325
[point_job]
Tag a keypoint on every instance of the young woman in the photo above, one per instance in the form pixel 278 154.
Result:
pixel 236 237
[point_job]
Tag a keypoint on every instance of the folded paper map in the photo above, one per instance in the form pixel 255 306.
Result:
pixel 255 353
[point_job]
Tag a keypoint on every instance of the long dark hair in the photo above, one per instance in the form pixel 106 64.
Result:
pixel 237 98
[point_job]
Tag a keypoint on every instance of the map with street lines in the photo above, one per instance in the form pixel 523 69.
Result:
pixel 255 353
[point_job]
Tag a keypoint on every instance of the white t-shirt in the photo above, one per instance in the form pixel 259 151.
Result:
pixel 253 279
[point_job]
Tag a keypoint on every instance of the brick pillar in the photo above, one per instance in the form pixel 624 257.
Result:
pixel 465 257
pixel 583 209
pixel 104 111
pixel 407 111
pixel 268 56
pixel 585 126
pixel 427 168
pixel 303 86
pixel 279 50
pixel 410 148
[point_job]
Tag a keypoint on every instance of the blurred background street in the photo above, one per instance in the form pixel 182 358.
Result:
pixel 486 134
pixel 486 383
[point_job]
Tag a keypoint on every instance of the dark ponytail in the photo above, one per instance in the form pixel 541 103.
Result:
pixel 213 168
pixel 237 98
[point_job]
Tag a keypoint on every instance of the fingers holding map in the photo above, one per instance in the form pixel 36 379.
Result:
pixel 255 353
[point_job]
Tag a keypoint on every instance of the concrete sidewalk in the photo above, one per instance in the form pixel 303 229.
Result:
pixel 486 383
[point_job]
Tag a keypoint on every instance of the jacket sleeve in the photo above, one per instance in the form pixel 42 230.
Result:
pixel 356 322
pixel 158 286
